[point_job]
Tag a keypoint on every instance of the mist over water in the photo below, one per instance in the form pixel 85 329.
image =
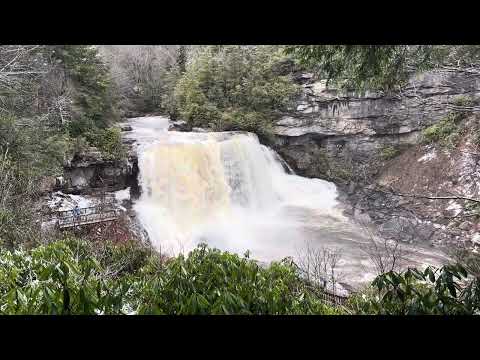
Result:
pixel 229 191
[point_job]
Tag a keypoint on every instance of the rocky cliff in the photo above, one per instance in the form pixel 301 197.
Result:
pixel 363 143
pixel 90 172
pixel 339 136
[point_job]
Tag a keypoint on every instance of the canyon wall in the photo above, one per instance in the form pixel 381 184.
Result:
pixel 339 136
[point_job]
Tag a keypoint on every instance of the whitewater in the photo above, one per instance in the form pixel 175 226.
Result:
pixel 229 191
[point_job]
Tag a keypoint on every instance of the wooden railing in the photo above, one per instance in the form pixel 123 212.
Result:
pixel 333 299
pixel 89 215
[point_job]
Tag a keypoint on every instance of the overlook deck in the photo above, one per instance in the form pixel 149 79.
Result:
pixel 90 215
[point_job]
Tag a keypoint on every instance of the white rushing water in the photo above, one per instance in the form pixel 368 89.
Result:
pixel 231 192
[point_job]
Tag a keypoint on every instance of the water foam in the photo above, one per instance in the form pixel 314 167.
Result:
pixel 225 189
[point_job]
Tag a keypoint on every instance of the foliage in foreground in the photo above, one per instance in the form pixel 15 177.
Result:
pixel 443 291
pixel 74 277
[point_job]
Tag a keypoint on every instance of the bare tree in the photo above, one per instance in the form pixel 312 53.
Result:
pixel 139 72
pixel 320 265
pixel 386 254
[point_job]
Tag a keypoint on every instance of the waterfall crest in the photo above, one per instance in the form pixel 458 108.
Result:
pixel 225 189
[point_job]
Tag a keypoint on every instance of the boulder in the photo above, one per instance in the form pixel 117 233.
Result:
pixel 475 239
pixel 179 125
pixel 466 225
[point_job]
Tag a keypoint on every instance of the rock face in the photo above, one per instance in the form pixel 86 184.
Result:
pixel 355 140
pixel 90 172
pixel 335 135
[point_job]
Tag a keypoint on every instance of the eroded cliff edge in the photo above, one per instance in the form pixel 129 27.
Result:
pixel 355 141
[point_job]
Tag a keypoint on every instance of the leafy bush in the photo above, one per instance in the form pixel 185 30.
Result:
pixel 388 152
pixel 76 277
pixel 53 280
pixel 463 101
pixel 446 131
pixel 234 87
pixel 209 281
pixel 108 141
pixel 443 291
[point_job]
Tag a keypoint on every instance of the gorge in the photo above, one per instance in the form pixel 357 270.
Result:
pixel 240 179
pixel 229 191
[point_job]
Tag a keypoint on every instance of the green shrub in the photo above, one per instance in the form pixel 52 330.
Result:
pixel 388 152
pixel 445 132
pixel 433 291
pixel 463 101
pixel 80 126
pixel 77 277
pixel 209 281
pixel 108 141
pixel 53 280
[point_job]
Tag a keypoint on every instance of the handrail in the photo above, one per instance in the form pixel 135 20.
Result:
pixel 82 211
pixel 94 216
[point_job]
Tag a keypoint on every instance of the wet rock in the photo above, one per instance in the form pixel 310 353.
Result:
pixel 179 125
pixel 403 202
pixel 476 239
pixel 80 177
pixel 308 137
pixel 126 128
pixel 452 225
pixel 89 172
pixel 349 211
pixel 361 216
pixel 351 188
pixel 59 181
pixel 425 231
pixel 406 229
pixel 128 141
pixel 466 225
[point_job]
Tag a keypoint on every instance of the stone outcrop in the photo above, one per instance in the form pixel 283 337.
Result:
pixel 90 172
pixel 351 139
pixel 334 135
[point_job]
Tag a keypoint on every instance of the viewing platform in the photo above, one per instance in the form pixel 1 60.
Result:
pixel 89 215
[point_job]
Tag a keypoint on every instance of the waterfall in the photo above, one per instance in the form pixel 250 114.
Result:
pixel 225 189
